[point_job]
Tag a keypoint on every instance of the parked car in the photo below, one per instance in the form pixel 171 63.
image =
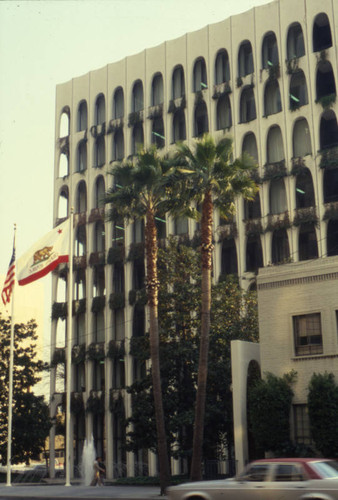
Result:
pixel 269 479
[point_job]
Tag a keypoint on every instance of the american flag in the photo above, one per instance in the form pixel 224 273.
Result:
pixel 10 280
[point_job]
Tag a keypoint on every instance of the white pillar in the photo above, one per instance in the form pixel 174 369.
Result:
pixel 241 355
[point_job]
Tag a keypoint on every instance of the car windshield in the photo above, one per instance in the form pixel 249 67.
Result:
pixel 327 469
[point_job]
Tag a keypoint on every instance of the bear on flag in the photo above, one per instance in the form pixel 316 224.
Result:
pixel 45 255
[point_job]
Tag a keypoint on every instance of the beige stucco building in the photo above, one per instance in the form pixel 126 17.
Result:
pixel 267 78
pixel 298 326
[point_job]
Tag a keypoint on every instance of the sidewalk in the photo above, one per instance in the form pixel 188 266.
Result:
pixel 78 492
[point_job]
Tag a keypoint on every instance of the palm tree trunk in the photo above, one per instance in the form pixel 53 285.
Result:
pixel 206 250
pixel 152 292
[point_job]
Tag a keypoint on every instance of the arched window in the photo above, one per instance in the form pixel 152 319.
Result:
pixel 245 59
pixel 63 203
pixel 200 75
pixel 332 238
pixel 272 98
pixel 295 42
pixel 307 242
pixel 330 185
pixel 63 165
pixel 80 241
pixel 179 130
pixel 305 196
pixel 298 90
pixel 229 257
pixel 137 96
pixel 138 231
pixel 82 116
pixel 181 225
pixel 250 145
pixel 247 105
pixel 223 113
pixel 99 152
pixel 201 119
pixel 222 67
pixel 275 150
pixel 325 82
pixel 137 137
pixel 64 124
pixel 157 133
pixel 81 197
pixel 118 278
pixel 252 209
pixel 138 322
pixel 80 283
pixel 81 163
pixel 100 110
pixel 254 253
pixel 328 130
pixel 301 139
pixel 280 246
pixel 99 191
pixel 118 145
pixel 278 203
pixel 157 90
pixel 321 36
pixel 118 103
pixel 99 237
pixel 178 85
pixel 269 51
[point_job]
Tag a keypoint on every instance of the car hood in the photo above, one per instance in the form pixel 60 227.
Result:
pixel 200 484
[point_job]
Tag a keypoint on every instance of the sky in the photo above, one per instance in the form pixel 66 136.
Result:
pixel 44 43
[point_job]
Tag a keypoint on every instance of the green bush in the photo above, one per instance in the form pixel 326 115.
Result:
pixel 323 413
pixel 269 418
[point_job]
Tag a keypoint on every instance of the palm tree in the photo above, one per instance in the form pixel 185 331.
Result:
pixel 213 180
pixel 141 192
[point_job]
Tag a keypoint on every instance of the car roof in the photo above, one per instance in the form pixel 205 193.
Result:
pixel 312 473
pixel 292 459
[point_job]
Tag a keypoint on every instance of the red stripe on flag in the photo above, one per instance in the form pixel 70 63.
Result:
pixel 40 274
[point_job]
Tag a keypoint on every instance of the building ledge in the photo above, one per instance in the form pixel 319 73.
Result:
pixel 314 356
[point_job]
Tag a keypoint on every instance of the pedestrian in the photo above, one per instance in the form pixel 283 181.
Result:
pixel 97 481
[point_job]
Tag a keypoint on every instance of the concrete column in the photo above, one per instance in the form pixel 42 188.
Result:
pixel 241 355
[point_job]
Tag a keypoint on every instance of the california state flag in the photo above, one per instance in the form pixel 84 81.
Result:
pixel 45 255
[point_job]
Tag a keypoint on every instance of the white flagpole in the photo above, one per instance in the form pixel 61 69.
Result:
pixel 10 382
pixel 69 444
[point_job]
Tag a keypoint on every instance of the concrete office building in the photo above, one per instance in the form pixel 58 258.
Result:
pixel 268 79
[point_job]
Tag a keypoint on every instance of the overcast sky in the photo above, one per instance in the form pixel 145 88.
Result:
pixel 43 43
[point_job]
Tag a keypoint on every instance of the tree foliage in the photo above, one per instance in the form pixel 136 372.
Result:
pixel 270 405
pixel 323 413
pixel 30 423
pixel 213 180
pixel 179 326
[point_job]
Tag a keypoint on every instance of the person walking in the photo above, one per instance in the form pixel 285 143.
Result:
pixel 98 471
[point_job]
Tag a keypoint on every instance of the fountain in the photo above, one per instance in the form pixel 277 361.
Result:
pixel 88 457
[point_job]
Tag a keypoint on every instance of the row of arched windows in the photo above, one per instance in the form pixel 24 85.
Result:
pixel 307 246
pixel 275 151
pixel 322 40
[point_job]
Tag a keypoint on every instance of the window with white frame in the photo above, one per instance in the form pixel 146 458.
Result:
pixel 307 333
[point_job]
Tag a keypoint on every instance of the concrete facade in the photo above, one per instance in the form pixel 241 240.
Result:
pixel 267 78
pixel 288 292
